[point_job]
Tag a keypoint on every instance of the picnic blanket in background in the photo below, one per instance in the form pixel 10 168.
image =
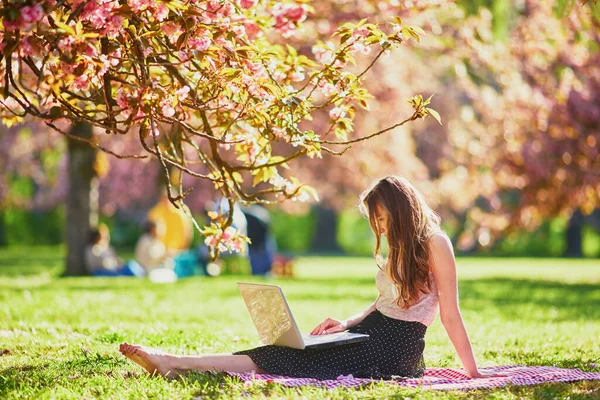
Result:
pixel 439 378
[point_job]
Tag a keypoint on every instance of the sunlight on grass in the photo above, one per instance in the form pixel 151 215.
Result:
pixel 63 334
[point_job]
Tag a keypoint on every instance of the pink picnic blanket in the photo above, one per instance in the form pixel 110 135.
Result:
pixel 439 378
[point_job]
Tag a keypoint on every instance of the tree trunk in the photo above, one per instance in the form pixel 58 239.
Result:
pixel 574 235
pixel 325 238
pixel 82 199
pixel 3 238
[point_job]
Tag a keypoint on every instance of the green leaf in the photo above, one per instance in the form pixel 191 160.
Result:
pixel 276 159
pixel 434 114
pixel 310 190
pixel 426 102
pixel 409 31
pixel 418 29
pixel 258 178
pixel 65 28
pixel 291 51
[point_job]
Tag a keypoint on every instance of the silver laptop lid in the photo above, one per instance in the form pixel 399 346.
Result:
pixel 268 310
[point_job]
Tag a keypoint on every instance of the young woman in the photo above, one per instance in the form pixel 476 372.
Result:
pixel 417 279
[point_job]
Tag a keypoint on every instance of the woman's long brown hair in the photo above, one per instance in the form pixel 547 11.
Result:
pixel 411 224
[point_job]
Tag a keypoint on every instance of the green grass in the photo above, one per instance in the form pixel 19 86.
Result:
pixel 63 333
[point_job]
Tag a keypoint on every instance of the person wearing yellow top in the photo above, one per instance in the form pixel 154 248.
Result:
pixel 178 227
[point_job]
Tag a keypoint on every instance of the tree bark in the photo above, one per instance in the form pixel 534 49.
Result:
pixel 325 238
pixel 3 238
pixel 574 235
pixel 82 199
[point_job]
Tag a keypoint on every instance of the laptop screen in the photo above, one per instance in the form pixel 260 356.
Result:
pixel 267 309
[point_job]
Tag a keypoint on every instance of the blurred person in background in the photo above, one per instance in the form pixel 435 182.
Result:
pixel 102 260
pixel 177 227
pixel 263 247
pixel 151 254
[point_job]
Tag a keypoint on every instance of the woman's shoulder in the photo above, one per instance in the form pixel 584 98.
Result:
pixel 439 238
pixel 440 245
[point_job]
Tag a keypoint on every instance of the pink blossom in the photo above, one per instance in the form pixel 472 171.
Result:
pixel 81 82
pixel 248 3
pixel 31 14
pixel 252 29
pixel 122 98
pixel 223 9
pixel 105 65
pixel 287 16
pixel 200 44
pixel 296 13
pixel 361 32
pixel 360 47
pixel 25 47
pixel 229 233
pixel 301 196
pixel 297 76
pixel 324 56
pixel 326 88
pixel 114 60
pixel 97 14
pixel 162 12
pixel 239 30
pixel 114 26
pixel 139 5
pixel 224 23
pixel 182 93
pixel 168 111
pixel 256 68
pixel 172 30
pixel 278 75
pixel 183 56
pixel 336 113
pixel 238 245
pixel 339 64
pixel 66 43
pixel 213 6
pixel 228 9
pixel 211 241
pixel 280 21
pixel 279 132
pixel 89 50
pixel 9 25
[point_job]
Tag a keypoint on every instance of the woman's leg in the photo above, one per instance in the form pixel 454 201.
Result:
pixel 170 365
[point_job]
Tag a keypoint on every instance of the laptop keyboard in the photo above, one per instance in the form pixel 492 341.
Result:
pixel 314 339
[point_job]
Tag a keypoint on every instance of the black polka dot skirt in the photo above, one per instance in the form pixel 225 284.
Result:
pixel 394 349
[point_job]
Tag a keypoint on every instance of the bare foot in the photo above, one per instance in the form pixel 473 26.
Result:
pixel 152 360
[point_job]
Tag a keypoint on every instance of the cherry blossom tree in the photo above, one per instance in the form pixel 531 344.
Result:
pixel 524 144
pixel 201 84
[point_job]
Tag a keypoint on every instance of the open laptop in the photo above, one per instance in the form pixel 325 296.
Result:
pixel 276 325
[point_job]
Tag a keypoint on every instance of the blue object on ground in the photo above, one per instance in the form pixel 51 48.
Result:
pixel 186 264
pixel 131 268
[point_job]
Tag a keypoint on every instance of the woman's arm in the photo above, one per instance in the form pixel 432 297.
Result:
pixel 444 271
pixel 357 318
pixel 331 325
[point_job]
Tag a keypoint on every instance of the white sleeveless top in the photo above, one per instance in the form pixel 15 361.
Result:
pixel 424 310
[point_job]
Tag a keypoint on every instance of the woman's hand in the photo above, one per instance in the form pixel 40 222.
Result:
pixel 330 325
pixel 480 375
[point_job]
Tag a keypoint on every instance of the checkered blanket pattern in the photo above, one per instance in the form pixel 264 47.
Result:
pixel 439 378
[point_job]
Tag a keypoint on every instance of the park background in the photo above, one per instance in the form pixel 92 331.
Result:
pixel 514 172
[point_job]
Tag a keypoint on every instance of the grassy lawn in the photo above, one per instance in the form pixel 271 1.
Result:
pixel 63 334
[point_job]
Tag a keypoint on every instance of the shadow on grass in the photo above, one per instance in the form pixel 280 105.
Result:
pixel 30 265
pixel 512 298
